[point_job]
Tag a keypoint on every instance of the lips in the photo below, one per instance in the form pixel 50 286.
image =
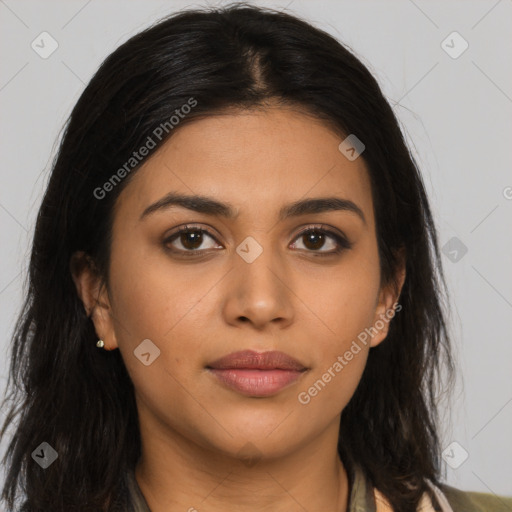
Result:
pixel 250 360
pixel 257 374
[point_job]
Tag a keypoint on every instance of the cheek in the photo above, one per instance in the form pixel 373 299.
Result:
pixel 150 295
pixel 153 301
pixel 345 299
pixel 340 354
pixel 346 305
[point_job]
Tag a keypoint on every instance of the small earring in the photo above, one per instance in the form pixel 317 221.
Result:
pixel 100 344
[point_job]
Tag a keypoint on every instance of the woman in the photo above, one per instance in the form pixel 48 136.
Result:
pixel 235 297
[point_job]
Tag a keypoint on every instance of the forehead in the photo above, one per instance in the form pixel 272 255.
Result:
pixel 255 160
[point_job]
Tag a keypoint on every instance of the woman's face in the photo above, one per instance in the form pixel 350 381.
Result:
pixel 250 281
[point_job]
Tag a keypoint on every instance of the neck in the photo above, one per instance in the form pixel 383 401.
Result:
pixel 176 474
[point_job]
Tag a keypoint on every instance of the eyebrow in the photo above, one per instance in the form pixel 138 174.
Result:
pixel 210 206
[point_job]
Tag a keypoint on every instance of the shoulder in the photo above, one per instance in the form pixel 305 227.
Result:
pixel 469 501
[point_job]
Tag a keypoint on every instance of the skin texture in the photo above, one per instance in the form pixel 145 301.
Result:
pixel 199 309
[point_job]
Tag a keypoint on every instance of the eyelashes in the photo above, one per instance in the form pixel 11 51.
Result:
pixel 321 234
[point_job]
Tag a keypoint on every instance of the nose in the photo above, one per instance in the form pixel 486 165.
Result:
pixel 259 292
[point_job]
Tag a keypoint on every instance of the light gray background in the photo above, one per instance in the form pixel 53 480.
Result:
pixel 457 117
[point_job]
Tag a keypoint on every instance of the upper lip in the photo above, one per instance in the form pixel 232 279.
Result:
pixel 249 359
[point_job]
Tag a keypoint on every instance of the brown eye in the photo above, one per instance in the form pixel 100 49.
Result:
pixel 314 239
pixel 188 239
pixel 191 239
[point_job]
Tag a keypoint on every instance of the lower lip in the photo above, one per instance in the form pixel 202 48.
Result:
pixel 258 383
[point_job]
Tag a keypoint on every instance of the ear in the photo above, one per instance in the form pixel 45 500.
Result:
pixel 387 302
pixel 94 295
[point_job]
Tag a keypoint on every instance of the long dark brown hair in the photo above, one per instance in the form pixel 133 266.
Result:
pixel 64 391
